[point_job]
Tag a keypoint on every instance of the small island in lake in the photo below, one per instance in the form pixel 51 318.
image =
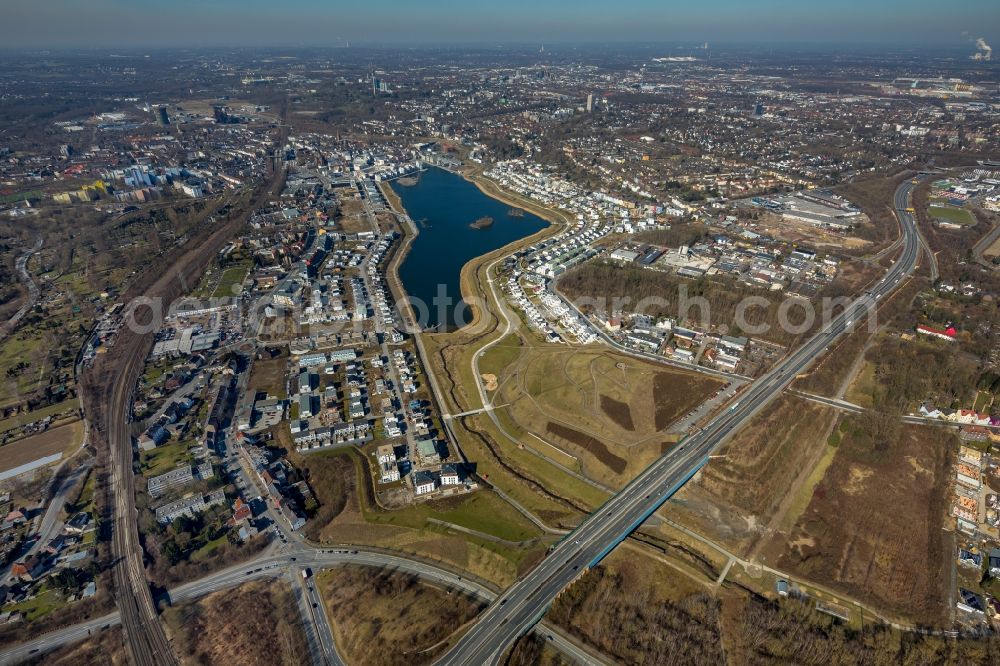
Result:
pixel 482 223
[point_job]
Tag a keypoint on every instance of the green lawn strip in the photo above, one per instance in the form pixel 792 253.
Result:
pixel 500 356
pixel 952 214
pixel 163 458
pixel 71 405
pixel 41 604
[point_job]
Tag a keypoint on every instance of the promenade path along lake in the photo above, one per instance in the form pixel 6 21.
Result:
pixel 443 206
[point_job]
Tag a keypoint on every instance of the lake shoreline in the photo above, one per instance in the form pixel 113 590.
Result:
pixel 452 233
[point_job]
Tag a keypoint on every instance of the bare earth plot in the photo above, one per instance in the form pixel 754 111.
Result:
pixel 268 374
pixel 61 439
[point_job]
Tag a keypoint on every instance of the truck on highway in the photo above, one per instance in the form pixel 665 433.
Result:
pixel 306 573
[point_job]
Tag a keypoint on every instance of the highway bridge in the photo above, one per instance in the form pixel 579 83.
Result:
pixel 523 604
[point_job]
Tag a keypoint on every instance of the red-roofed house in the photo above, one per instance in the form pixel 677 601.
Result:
pixel 942 334
pixel 241 511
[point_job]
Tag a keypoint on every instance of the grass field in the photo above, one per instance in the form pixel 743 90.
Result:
pixel 605 409
pixel 347 514
pixel 220 283
pixel 62 439
pixel 372 609
pixel 481 511
pixel 24 346
pixel 897 501
pixel 38 606
pixel 736 496
pixel 500 356
pixel 952 214
pixel 232 278
pixel 984 399
pixel 163 458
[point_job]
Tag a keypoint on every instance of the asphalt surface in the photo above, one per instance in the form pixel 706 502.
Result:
pixel 288 565
pixel 520 607
pixel 523 605
pixel 33 291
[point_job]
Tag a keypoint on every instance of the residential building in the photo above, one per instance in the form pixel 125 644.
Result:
pixel 189 506
pixel 450 474
pixel 424 482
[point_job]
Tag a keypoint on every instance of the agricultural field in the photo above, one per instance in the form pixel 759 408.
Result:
pixel 894 552
pixel 254 624
pixel 608 411
pixel 62 439
pixel 384 618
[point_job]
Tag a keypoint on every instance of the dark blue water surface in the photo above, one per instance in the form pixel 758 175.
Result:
pixel 443 206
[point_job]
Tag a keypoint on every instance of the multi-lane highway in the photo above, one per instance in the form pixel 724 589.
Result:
pixel 32 298
pixel 522 605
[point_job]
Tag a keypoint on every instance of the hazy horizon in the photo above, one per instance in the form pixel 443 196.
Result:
pixel 311 23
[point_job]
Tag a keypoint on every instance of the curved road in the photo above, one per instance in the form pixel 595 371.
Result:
pixel 22 270
pixel 523 604
pixel 279 566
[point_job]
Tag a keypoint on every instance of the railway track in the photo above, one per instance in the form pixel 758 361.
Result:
pixel 110 383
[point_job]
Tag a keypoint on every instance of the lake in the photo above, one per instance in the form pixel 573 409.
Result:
pixel 443 206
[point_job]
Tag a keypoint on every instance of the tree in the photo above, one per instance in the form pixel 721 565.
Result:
pixel 171 551
pixel 67 581
pixel 882 427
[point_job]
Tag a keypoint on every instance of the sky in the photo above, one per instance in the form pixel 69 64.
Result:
pixel 187 23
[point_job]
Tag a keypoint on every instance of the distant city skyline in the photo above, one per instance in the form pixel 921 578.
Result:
pixel 190 23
